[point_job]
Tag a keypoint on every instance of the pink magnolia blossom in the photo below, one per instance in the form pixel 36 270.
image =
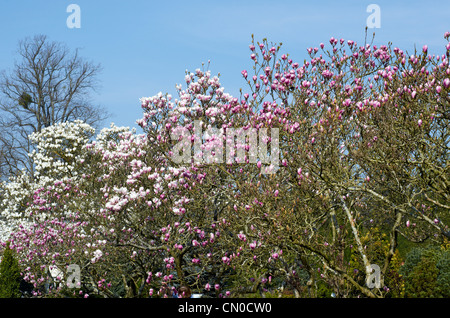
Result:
pixel 446 82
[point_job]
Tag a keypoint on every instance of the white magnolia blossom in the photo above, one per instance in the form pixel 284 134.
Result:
pixel 59 152
pixel 97 255
pixel 59 160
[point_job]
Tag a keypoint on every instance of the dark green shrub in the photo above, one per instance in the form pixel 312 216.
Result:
pixel 9 275
pixel 443 280
pixel 427 273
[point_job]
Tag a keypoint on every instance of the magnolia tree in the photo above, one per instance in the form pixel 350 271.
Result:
pixel 366 142
pixel 305 180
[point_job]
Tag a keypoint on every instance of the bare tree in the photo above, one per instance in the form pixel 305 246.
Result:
pixel 49 84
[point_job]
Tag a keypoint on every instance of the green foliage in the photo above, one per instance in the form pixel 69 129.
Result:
pixel 9 275
pixel 376 247
pixel 427 273
pixel 393 279
pixel 323 290
pixel 443 279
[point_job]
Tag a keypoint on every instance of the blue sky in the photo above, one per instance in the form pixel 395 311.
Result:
pixel 145 47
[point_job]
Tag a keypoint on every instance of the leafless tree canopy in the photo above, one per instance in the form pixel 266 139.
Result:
pixel 48 84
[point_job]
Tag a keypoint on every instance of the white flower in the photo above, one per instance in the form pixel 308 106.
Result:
pixel 97 254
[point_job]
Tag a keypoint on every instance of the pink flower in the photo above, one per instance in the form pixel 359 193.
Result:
pixel 446 82
pixel 327 74
pixel 242 237
pixel 425 49
pixel 419 122
pixel 438 89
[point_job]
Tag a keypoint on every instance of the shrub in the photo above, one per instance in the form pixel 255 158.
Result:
pixel 9 275
pixel 427 273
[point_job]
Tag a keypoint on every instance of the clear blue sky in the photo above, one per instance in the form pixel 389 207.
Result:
pixel 146 46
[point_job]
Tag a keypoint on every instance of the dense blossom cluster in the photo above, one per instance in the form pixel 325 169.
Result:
pixel 363 144
pixel 58 158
